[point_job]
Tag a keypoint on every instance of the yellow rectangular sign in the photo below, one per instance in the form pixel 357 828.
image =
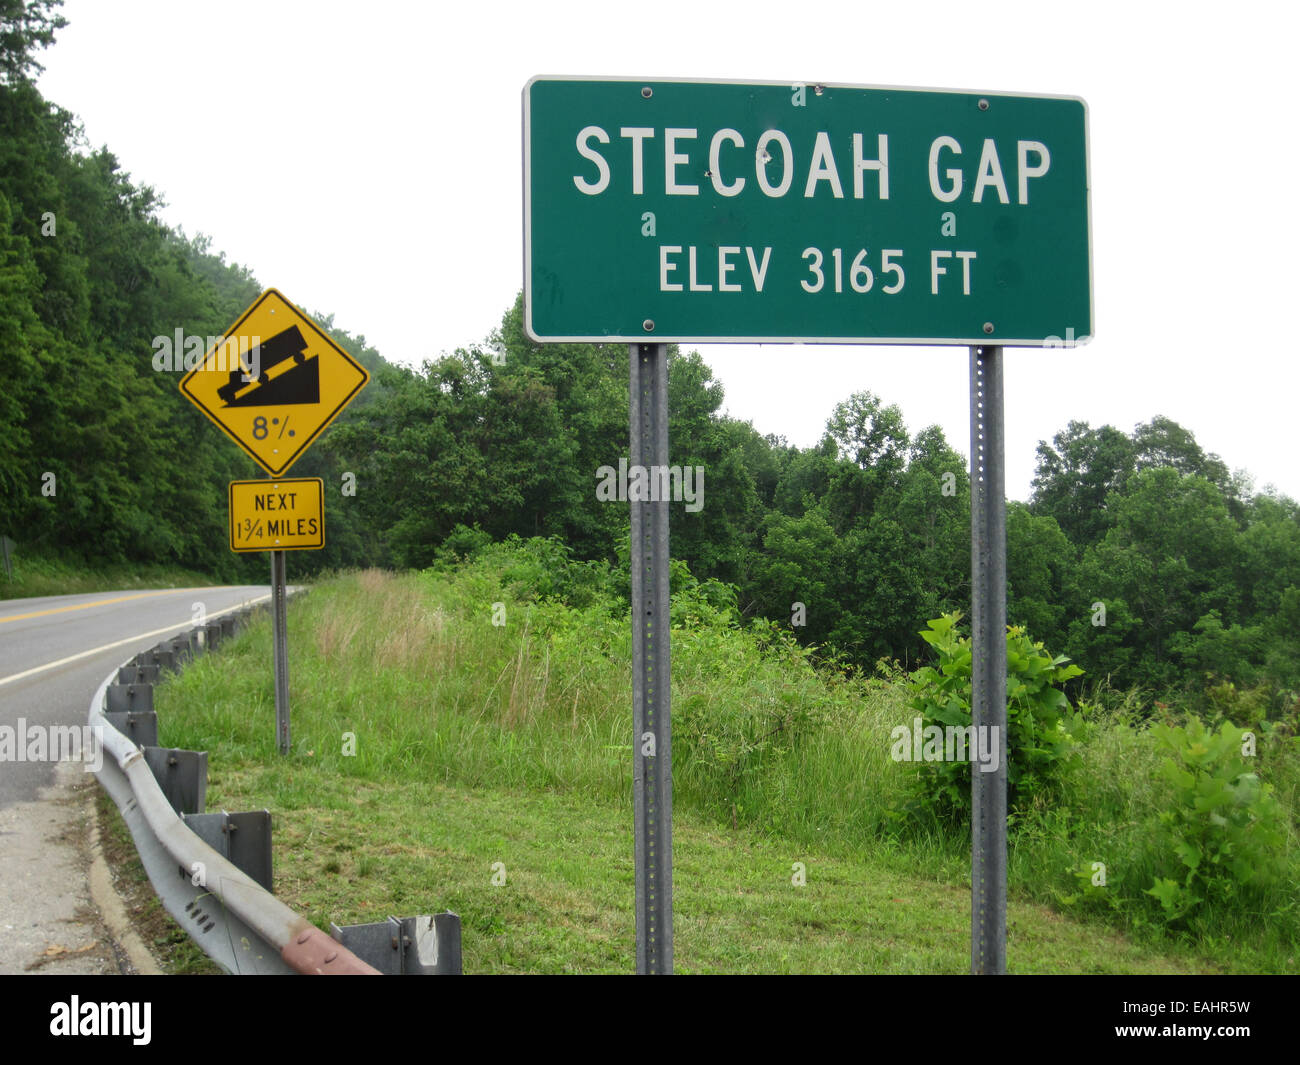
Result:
pixel 285 514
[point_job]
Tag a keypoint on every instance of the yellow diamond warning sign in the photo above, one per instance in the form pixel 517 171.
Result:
pixel 286 514
pixel 274 382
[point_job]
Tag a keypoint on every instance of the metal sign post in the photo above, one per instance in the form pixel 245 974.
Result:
pixel 652 759
pixel 988 532
pixel 280 625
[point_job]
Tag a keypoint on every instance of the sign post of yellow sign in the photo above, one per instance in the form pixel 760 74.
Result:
pixel 277 515
pixel 274 382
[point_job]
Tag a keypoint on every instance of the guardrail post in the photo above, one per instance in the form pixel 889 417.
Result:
pixel 185 646
pixel 243 838
pixel 138 674
pixel 165 659
pixel 139 726
pixel 411 946
pixel 136 697
pixel 182 775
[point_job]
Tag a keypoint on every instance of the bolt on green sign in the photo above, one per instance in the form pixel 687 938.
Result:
pixel 708 211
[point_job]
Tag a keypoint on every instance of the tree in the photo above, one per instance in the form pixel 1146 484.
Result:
pixel 1168 558
pixel 881 590
pixel 804 477
pixel 1076 475
pixel 871 442
pixel 933 504
pixel 1163 442
pixel 1039 563
pixel 25 26
pixel 800 562
pixel 590 386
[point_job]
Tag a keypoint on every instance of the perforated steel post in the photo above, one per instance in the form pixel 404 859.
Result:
pixel 652 760
pixel 988 949
pixel 280 629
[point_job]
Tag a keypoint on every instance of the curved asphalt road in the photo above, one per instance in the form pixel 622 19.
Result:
pixel 54 652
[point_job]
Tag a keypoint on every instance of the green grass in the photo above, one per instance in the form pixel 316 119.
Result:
pixel 477 744
pixel 352 851
pixel 42 575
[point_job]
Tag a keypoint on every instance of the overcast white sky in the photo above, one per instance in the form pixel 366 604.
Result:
pixel 365 160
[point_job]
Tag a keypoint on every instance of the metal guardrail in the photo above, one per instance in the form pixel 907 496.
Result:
pixel 212 872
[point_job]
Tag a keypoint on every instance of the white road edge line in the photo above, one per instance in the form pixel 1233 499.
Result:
pixel 129 639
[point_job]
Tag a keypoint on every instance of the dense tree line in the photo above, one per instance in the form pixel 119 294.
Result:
pixel 99 454
pixel 1138 554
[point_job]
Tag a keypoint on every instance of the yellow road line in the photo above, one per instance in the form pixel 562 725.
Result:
pixel 129 639
pixel 97 602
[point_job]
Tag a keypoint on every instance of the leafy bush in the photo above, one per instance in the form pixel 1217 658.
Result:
pixel 1041 728
pixel 529 570
pixel 462 543
pixel 1224 826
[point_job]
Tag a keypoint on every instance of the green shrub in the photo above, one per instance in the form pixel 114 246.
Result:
pixel 1041 728
pixel 529 570
pixel 462 543
pixel 1224 827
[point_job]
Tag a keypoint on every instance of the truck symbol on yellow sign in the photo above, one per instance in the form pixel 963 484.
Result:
pixel 277 515
pixel 288 383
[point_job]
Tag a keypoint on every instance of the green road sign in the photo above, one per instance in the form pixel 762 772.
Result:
pixel 707 211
